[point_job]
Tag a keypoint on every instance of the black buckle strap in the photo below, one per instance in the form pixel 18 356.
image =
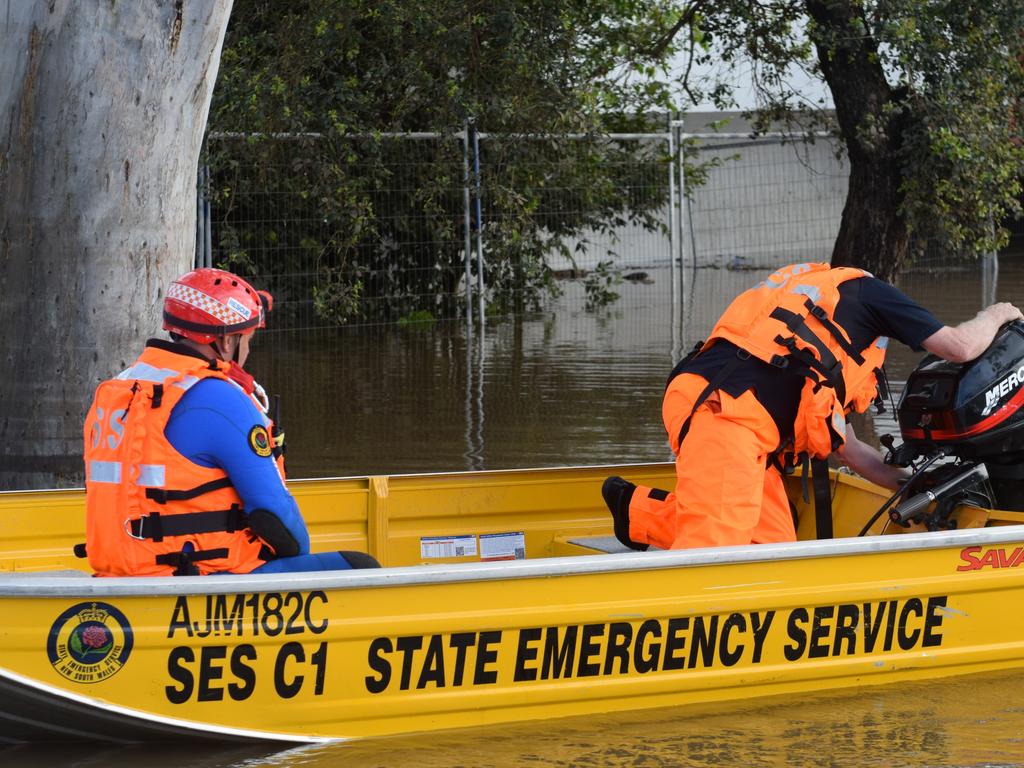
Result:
pixel 817 469
pixel 822 317
pixel 830 376
pixel 795 323
pixel 212 328
pixel 183 562
pixel 715 383
pixel 156 526
pixel 826 364
pixel 882 383
pixel 162 496
pixel 822 498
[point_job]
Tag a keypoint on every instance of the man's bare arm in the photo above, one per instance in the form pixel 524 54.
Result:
pixel 867 462
pixel 969 339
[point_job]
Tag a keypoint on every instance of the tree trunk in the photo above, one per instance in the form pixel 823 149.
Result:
pixel 873 234
pixel 102 111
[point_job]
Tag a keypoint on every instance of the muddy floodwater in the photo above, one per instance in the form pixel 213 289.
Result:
pixel 554 388
pixel 959 722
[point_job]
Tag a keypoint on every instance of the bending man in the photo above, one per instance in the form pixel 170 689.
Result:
pixel 184 472
pixel 771 388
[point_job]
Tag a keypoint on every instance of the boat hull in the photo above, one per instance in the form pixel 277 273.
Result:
pixel 391 652
pixel 343 655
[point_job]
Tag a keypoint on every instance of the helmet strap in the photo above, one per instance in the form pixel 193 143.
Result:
pixel 218 348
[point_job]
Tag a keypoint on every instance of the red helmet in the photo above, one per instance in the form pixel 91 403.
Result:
pixel 205 304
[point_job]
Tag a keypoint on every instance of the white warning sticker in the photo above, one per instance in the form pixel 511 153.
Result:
pixel 434 547
pixel 502 546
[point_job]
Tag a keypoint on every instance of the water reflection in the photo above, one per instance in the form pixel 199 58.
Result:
pixel 968 721
pixel 974 720
pixel 554 388
pixel 194 755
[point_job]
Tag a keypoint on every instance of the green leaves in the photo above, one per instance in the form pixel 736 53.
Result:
pixel 927 96
pixel 368 227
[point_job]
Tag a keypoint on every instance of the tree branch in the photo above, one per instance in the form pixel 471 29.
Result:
pixel 685 20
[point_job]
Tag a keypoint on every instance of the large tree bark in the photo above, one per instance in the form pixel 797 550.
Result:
pixel 872 234
pixel 102 111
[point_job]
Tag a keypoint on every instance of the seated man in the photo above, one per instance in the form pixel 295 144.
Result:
pixel 771 388
pixel 184 472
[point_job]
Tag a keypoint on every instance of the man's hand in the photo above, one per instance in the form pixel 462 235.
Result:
pixel 1003 312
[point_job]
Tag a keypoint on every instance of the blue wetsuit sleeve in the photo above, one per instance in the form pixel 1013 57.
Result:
pixel 210 427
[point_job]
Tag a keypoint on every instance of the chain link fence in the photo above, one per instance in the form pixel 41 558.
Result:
pixel 472 300
pixel 393 229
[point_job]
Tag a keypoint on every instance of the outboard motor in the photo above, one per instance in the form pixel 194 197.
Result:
pixel 973 414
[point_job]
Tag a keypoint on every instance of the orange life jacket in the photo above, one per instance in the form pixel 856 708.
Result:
pixel 789 321
pixel 144 500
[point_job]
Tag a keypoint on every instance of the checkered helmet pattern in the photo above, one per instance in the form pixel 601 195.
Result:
pixel 207 303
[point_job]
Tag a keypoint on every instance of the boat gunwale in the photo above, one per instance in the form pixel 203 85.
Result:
pixel 300 481
pixel 29 584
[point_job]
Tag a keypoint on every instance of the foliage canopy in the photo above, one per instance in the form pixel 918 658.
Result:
pixel 927 97
pixel 381 218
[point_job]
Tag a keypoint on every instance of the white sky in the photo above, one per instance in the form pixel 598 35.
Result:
pixel 810 88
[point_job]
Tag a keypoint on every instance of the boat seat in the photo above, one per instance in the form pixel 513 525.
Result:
pixel 64 574
pixel 607 544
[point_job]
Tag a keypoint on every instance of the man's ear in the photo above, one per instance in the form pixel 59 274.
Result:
pixel 226 346
pixel 222 346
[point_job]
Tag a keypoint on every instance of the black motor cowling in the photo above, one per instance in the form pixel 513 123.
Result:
pixel 971 411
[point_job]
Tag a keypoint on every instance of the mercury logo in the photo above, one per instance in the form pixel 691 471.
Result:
pixel 1000 390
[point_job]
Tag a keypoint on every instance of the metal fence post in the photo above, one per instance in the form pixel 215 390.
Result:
pixel 681 227
pixel 673 216
pixel 467 225
pixel 479 223
pixel 204 234
pixel 989 278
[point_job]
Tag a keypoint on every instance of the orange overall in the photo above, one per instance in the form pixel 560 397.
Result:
pixel 727 489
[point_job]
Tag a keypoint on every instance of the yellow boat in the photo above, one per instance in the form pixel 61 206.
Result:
pixel 503 598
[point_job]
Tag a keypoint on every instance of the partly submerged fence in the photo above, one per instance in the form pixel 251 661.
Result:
pixel 393 229
pixel 399 228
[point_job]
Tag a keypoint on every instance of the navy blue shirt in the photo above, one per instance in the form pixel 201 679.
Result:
pixel 867 308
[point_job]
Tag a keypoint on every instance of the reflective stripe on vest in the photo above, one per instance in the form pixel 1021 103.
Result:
pixel 145 372
pixel 150 475
pixel 104 472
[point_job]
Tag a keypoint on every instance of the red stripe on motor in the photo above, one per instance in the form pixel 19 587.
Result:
pixel 1005 411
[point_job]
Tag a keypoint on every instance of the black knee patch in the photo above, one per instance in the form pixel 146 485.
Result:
pixel 360 559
